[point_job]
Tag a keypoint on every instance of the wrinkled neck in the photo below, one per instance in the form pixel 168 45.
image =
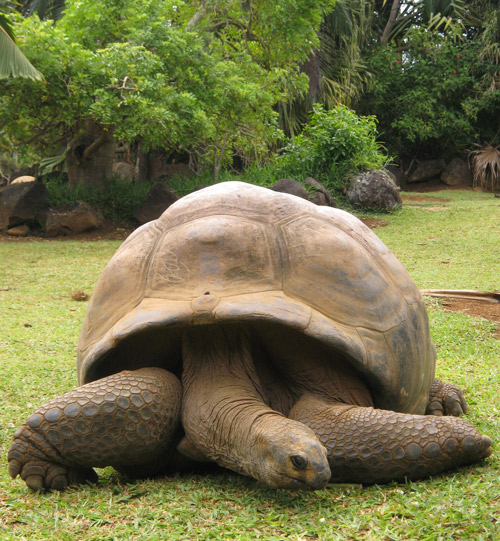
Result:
pixel 224 414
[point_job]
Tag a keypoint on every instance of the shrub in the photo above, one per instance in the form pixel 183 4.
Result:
pixel 335 145
pixel 486 168
pixel 436 98
pixel 116 200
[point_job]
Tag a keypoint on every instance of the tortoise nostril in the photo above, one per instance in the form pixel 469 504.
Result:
pixel 206 293
pixel 299 462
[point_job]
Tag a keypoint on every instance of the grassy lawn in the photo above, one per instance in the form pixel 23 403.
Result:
pixel 451 244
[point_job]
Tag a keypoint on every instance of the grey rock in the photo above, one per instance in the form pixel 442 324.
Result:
pixel 426 170
pixel 124 171
pixel 456 173
pixel 22 203
pixel 159 198
pixel 18 231
pixel 290 186
pixel 374 190
pixel 397 174
pixel 318 193
pixel 71 219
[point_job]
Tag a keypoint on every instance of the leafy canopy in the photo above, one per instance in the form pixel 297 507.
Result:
pixel 149 74
pixel 437 95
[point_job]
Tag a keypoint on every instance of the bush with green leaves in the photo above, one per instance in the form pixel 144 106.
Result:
pixel 335 145
pixel 436 97
pixel 117 200
pixel 203 78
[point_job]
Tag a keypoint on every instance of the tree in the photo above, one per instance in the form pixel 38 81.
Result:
pixel 339 70
pixel 202 78
pixel 435 89
pixel 45 9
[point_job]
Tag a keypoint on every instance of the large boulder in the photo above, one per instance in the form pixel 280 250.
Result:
pixel 158 199
pixel 397 174
pixel 124 171
pixel 456 173
pixel 22 203
pixel 427 170
pixel 374 190
pixel 290 186
pixel 71 219
pixel 318 194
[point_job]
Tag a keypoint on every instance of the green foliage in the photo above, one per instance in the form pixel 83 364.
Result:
pixel 7 7
pixel 13 63
pixel 334 145
pixel 133 67
pixel 276 34
pixel 117 200
pixel 434 98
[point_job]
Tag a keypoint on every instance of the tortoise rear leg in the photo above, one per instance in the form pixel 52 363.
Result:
pixel 367 445
pixel 445 399
pixel 128 420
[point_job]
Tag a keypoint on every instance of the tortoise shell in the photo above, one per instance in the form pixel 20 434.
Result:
pixel 235 252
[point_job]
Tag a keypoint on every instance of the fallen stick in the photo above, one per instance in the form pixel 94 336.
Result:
pixel 469 294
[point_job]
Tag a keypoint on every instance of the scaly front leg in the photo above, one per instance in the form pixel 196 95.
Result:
pixel 367 445
pixel 128 420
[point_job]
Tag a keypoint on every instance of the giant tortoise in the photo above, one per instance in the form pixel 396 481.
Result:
pixel 258 331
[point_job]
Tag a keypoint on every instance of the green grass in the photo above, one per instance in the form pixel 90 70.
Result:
pixel 453 244
pixel 39 330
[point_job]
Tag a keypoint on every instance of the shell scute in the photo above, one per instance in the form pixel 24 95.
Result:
pixel 216 254
pixel 336 275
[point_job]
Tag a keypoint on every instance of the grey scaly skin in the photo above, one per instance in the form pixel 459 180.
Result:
pixel 128 420
pixel 225 417
pixel 368 445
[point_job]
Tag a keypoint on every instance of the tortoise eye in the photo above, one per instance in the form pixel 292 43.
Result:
pixel 299 462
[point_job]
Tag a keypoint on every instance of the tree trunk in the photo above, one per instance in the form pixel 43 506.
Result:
pixel 390 23
pixel 89 162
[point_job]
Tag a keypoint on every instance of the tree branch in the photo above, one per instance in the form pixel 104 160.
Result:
pixel 390 23
pixel 103 138
pixel 197 17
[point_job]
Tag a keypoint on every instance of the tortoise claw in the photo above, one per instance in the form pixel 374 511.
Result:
pixel 35 483
pixel 54 476
pixel 40 473
pixel 41 476
pixel 446 399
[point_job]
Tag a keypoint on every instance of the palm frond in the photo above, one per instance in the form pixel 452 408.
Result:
pixel 6 26
pixel 486 168
pixel 6 7
pixel 13 63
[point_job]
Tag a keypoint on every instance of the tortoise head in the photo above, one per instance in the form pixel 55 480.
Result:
pixel 290 456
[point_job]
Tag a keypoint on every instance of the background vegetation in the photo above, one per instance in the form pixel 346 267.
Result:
pixel 223 85
pixel 443 244
pixel 262 90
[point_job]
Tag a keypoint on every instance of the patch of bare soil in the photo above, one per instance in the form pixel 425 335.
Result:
pixel 372 223
pixel 109 230
pixel 486 310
